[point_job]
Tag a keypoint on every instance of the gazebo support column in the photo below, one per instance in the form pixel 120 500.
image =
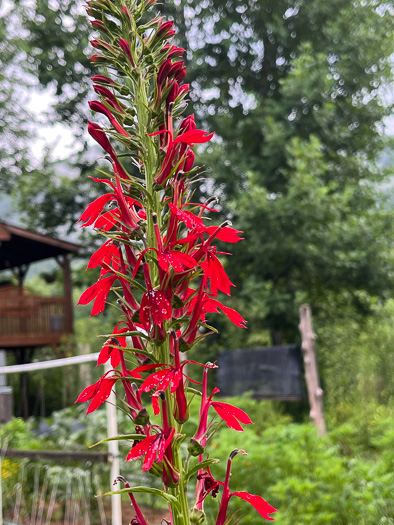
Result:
pixel 64 262
pixel 23 356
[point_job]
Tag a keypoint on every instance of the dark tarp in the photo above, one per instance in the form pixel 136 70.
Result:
pixel 268 373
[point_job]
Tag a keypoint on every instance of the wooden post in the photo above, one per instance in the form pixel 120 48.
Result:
pixel 64 262
pixel 315 393
pixel 85 375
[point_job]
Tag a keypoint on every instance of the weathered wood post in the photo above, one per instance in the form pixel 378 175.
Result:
pixel 315 393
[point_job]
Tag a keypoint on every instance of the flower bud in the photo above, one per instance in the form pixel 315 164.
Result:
pixel 195 448
pixel 142 418
pixel 124 90
pixel 197 516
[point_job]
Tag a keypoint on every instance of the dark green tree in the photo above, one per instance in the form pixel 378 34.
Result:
pixel 296 92
pixel 15 127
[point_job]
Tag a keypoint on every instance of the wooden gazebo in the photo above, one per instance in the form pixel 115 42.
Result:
pixel 29 321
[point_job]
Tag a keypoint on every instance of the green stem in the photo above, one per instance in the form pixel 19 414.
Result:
pixel 180 512
pixel 180 515
pixel 149 161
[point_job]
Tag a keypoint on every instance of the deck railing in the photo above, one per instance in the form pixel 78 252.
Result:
pixel 22 314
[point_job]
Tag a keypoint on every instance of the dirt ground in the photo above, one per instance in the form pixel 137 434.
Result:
pixel 152 516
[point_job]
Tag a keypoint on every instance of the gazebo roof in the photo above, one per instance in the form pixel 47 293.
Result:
pixel 19 247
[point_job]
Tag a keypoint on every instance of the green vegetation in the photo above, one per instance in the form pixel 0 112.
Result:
pixel 346 478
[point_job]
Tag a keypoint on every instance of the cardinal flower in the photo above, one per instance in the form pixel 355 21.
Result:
pixel 98 293
pixel 262 507
pixel 152 447
pixel 214 270
pixel 154 304
pixel 231 415
pixel 154 307
pixel 112 348
pixel 97 393
pixel 107 254
pixel 168 377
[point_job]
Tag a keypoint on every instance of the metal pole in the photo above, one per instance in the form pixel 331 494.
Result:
pixel 113 449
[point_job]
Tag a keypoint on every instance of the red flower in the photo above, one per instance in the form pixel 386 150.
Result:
pixel 156 307
pixel 153 447
pixel 211 305
pixel 126 48
pixel 99 136
pixel 226 234
pixel 97 393
pixel 108 97
pixel 112 348
pixel 95 208
pixel 101 79
pixel 215 272
pixel 262 507
pixel 98 292
pixel 106 255
pixel 100 108
pixel 108 220
pixel 232 415
pixel 191 221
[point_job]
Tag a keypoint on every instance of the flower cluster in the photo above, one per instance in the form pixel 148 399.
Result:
pixel 159 261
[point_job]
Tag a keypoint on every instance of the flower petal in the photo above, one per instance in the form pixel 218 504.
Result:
pixel 262 507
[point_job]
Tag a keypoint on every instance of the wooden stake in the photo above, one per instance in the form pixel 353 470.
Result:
pixel 315 393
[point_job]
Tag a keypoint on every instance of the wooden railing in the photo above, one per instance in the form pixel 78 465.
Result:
pixel 23 314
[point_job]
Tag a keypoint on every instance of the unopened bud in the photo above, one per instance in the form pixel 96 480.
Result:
pixel 197 516
pixel 195 448
pixel 128 121
pixel 142 418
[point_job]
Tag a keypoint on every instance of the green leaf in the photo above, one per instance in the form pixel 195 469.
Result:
pixel 199 466
pixel 172 500
pixel 119 438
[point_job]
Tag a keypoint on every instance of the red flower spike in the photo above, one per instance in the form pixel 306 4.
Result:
pixel 184 250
